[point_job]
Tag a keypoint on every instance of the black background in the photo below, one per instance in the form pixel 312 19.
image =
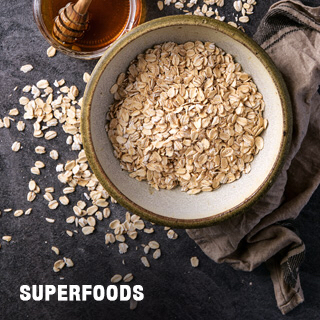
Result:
pixel 172 288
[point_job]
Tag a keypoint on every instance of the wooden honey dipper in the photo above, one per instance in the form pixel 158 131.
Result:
pixel 72 22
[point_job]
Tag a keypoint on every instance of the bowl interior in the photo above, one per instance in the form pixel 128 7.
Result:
pixel 174 203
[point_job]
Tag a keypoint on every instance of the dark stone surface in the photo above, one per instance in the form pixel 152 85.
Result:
pixel 173 290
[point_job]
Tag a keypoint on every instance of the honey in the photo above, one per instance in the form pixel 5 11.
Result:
pixel 107 21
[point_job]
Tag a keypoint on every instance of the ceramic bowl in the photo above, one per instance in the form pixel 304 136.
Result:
pixel 173 207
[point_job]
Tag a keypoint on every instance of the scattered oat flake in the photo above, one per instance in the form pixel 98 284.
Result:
pixel 194 262
pixel 244 19
pixel 99 215
pixel 28 211
pixel 231 23
pixel 123 248
pixel 87 230
pixel 26 88
pixel 237 5
pixel 114 224
pixel 69 233
pixel 148 230
pixel 156 254
pixel 48 196
pixel 18 213
pixel 32 185
pixel 54 154
pixel 109 238
pixel 139 224
pixel 35 170
pixel 86 77
pixel 39 164
pixel 160 5
pixel 51 51
pixel 128 277
pixel 68 190
pixel 55 250
pixel 21 125
pixel 91 221
pixel 172 234
pixel 53 204
pixel 133 304
pixel 64 200
pixel 13 112
pixel 16 146
pixel 58 265
pixel 50 135
pixel 42 84
pixel 145 261
pixel 146 249
pixel 26 68
pixel 7 238
pixel 6 122
pixel 70 219
pixel 116 278
pixel 106 213
pixel 40 150
pixel 31 196
pixel 35 91
pixel 154 244
pixel 69 263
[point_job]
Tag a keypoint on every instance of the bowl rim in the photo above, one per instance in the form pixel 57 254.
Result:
pixel 237 35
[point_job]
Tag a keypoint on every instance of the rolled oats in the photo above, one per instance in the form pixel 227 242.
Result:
pixel 69 263
pixel 160 5
pixel 18 213
pixel 55 250
pixel 87 230
pixel 194 262
pixel 116 278
pixel 128 277
pixel 21 125
pixel 16 146
pixel 145 262
pixel 58 265
pixel 153 244
pixel 7 238
pixel 156 254
pixel 54 154
pixel 244 19
pixel 26 68
pixel 53 204
pixel 189 125
pixel 51 51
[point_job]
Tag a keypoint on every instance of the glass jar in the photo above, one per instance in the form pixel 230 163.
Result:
pixel 108 20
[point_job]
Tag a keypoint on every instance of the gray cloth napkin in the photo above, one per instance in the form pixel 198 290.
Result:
pixel 290 33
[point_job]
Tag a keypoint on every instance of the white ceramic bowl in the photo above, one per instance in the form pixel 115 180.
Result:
pixel 173 207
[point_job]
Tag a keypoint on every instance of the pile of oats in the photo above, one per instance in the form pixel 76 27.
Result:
pixel 186 115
